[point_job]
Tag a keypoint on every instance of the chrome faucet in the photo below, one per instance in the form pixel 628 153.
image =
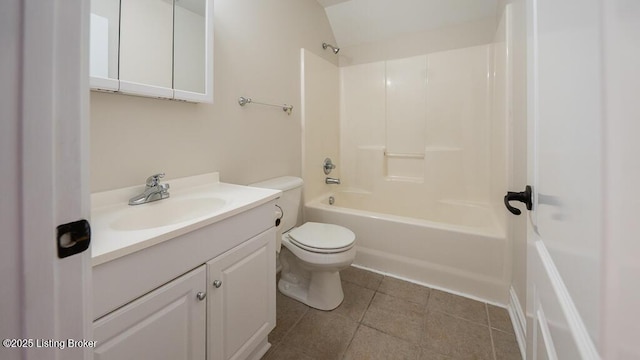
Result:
pixel 330 180
pixel 152 192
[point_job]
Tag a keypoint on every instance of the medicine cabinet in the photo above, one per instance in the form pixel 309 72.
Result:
pixel 154 48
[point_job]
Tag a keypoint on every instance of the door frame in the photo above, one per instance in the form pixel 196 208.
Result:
pixel 49 171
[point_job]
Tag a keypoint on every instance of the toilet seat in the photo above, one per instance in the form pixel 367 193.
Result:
pixel 322 238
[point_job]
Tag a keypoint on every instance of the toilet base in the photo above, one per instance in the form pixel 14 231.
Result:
pixel 323 291
pixel 319 289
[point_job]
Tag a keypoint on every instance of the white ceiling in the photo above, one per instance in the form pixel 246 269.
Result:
pixel 364 21
pixel 326 3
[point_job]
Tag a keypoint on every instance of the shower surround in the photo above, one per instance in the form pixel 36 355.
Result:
pixel 423 164
pixel 418 130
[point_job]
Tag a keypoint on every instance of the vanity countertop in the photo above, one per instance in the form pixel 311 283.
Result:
pixel 116 231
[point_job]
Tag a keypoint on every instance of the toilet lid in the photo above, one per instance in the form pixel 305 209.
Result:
pixel 320 237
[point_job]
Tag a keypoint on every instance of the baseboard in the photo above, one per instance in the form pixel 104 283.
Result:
pixel 518 320
pixel 260 350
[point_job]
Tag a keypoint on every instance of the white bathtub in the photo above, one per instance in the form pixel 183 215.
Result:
pixel 455 246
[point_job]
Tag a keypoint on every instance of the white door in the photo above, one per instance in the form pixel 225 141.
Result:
pixel 45 150
pixel 565 169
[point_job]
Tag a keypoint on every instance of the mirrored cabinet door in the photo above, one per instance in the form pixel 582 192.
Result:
pixel 146 47
pixel 188 54
pixel 103 48
pixel 192 56
pixel 155 48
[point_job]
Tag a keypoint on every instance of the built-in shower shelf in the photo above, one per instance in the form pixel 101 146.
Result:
pixel 404 167
pixel 390 154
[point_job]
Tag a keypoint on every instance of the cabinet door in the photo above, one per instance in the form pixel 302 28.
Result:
pixel 168 323
pixel 242 298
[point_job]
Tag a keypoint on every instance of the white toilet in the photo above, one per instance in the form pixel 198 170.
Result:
pixel 317 252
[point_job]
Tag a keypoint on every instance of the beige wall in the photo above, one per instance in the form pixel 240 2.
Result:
pixel 257 54
pixel 321 123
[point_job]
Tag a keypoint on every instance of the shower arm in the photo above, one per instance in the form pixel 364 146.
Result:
pixel 333 48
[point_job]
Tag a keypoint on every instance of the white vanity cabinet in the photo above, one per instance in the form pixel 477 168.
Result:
pixel 168 323
pixel 242 300
pixel 161 302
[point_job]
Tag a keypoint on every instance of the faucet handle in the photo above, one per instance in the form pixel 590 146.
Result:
pixel 327 166
pixel 153 180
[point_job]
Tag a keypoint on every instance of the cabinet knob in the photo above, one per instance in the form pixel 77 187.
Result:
pixel 201 295
pixel 217 283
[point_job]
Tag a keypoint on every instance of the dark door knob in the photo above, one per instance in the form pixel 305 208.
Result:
pixel 524 196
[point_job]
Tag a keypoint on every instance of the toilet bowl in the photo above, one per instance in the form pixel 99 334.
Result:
pixel 311 266
pixel 313 253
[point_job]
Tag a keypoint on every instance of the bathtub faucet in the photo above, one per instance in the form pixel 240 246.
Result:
pixel 332 181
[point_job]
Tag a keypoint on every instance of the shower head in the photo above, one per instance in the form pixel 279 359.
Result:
pixel 333 48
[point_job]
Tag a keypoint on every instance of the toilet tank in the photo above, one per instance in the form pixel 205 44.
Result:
pixel 289 202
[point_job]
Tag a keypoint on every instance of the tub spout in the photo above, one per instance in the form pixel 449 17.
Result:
pixel 332 181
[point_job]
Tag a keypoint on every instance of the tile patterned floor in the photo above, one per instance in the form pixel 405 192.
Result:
pixel 386 318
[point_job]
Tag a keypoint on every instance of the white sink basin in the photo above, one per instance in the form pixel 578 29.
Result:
pixel 118 229
pixel 165 212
